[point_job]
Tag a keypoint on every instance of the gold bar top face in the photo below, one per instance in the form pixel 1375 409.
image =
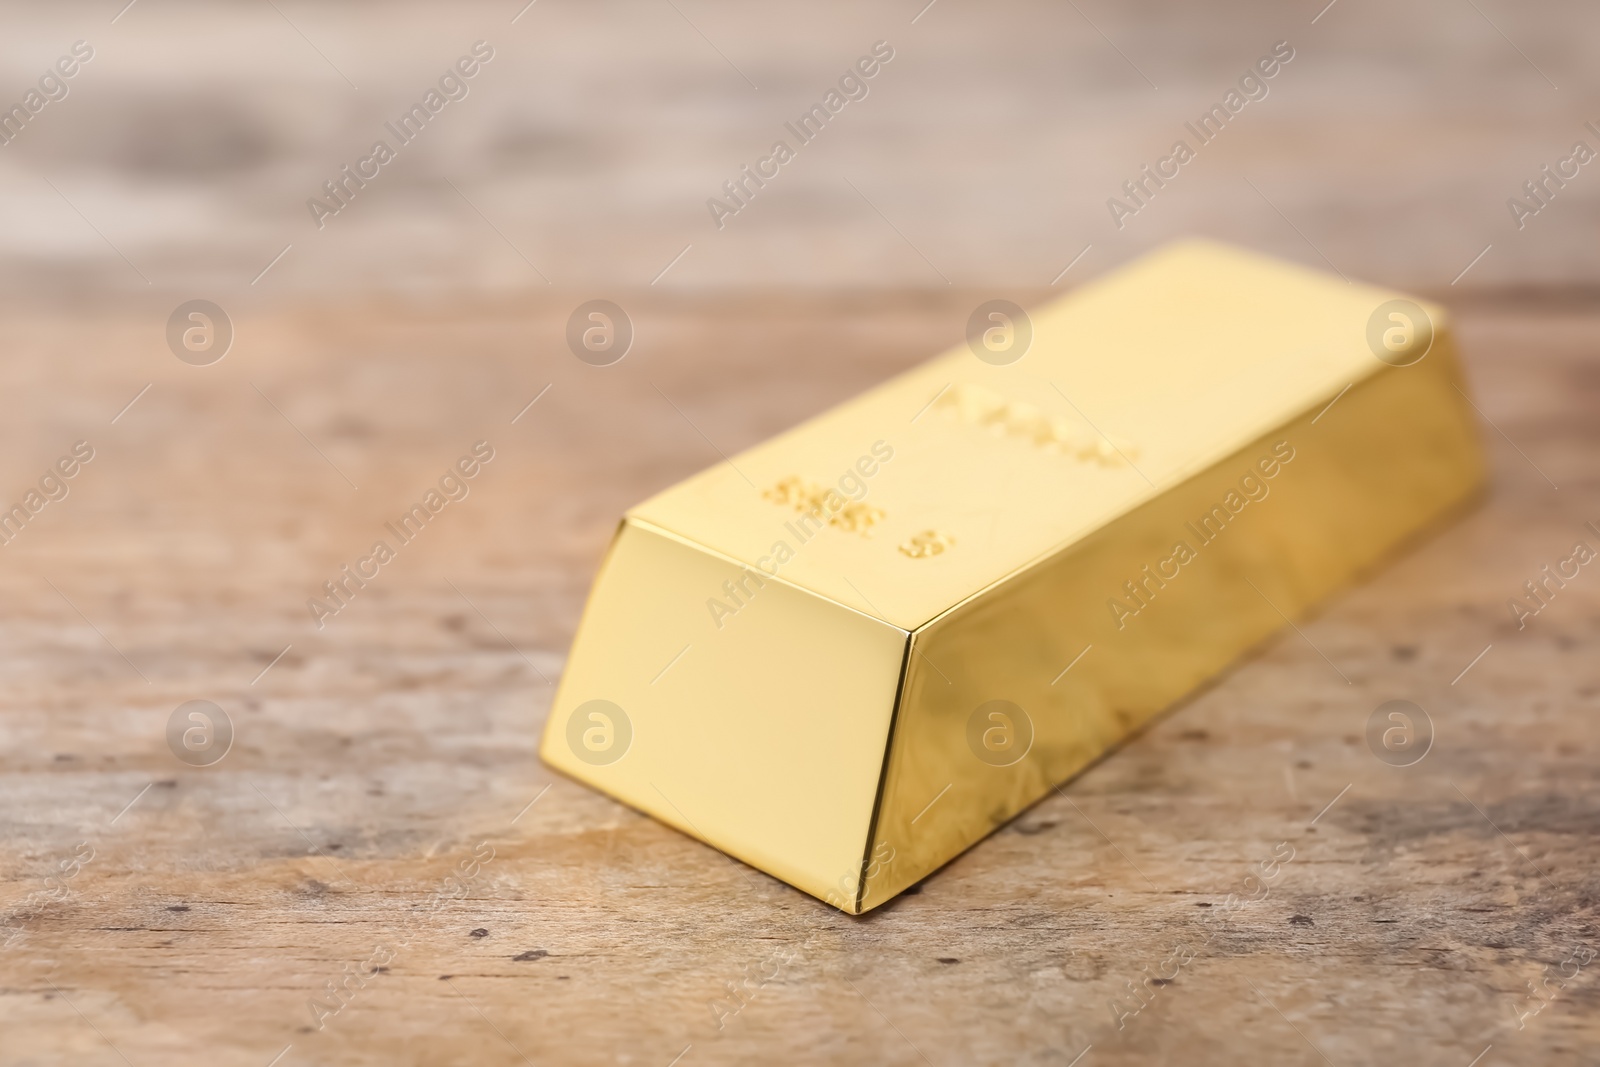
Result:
pixel 851 652
pixel 1177 360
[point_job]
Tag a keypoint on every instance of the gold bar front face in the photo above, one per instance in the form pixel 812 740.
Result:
pixel 865 644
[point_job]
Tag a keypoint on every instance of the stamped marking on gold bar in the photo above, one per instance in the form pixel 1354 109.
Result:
pixel 810 498
pixel 927 543
pixel 978 406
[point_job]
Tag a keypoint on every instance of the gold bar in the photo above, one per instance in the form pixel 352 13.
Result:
pixel 860 647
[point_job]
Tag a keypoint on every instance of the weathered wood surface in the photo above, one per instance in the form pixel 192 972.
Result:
pixel 379 754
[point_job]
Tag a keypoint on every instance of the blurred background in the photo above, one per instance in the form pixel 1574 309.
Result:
pixel 983 154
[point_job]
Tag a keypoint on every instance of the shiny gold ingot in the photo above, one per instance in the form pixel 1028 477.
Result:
pixel 1023 557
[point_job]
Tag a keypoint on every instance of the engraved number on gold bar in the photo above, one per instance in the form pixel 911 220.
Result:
pixel 927 543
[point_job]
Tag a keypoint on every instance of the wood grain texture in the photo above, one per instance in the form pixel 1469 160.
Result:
pixel 384 750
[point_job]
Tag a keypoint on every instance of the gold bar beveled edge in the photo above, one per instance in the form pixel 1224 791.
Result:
pixel 889 733
pixel 883 778
pixel 669 816
pixel 545 738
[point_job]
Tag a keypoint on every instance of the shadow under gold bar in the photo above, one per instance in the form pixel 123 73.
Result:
pixel 853 651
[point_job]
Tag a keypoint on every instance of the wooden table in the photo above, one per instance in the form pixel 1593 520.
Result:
pixel 382 814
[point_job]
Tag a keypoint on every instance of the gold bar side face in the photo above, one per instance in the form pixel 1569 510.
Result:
pixel 992 717
pixel 956 591
pixel 765 738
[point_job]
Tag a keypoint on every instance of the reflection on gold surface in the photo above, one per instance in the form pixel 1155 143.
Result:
pixel 1190 452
